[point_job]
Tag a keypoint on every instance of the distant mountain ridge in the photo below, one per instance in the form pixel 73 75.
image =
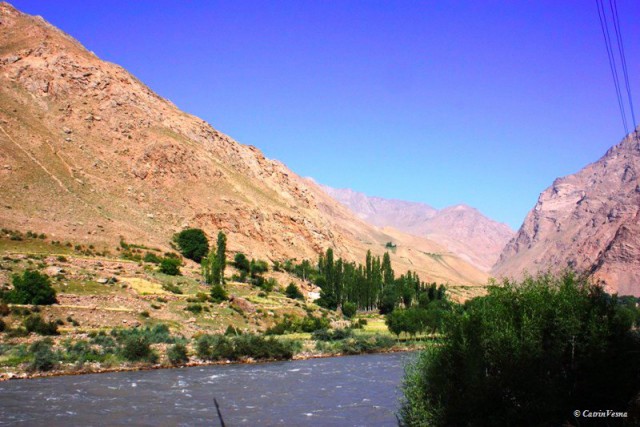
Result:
pixel 588 221
pixel 461 229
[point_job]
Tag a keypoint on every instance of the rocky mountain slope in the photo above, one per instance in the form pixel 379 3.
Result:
pixel 89 153
pixel 462 229
pixel 589 221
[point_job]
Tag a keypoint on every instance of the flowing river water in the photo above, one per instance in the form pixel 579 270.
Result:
pixel 337 391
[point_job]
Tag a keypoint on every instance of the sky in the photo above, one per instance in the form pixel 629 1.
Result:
pixel 441 102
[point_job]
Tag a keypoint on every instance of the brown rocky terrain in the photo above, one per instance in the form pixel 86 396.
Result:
pixel 461 229
pixel 589 221
pixel 90 154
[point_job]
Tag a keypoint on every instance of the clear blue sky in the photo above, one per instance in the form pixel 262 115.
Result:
pixel 476 102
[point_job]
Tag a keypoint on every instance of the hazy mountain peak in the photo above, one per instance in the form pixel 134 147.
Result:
pixel 460 228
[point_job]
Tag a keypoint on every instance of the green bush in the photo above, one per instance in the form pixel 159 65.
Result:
pixel 32 287
pixel 194 308
pixel 36 324
pixel 170 287
pixel 80 352
pixel 293 292
pixel 137 348
pixel 528 353
pixel 349 309
pixel 170 266
pixel 44 359
pixel 332 335
pixel 157 334
pixel 218 294
pixel 193 243
pixel 152 258
pixel 220 347
pixel 177 354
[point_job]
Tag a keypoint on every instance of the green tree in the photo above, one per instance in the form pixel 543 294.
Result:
pixel 241 262
pixel 221 257
pixel 193 243
pixel 32 287
pixel 214 265
pixel 528 353
pixel 293 292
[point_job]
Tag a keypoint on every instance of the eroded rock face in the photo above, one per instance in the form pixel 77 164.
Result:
pixel 589 221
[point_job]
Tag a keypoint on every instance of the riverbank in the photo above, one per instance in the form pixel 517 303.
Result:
pixel 96 368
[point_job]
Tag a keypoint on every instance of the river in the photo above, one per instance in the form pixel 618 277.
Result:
pixel 337 391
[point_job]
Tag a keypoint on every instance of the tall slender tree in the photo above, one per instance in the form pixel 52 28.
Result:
pixel 221 258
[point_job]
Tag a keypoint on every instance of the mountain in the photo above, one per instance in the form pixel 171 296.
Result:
pixel 90 154
pixel 589 221
pixel 462 229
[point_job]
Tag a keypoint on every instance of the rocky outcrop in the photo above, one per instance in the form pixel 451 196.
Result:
pixel 589 221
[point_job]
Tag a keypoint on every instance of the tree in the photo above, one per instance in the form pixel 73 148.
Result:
pixel 221 256
pixel 193 243
pixel 241 262
pixel 528 353
pixel 32 287
pixel 293 292
pixel 215 263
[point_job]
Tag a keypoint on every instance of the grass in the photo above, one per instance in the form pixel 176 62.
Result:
pixel 85 287
pixel 144 287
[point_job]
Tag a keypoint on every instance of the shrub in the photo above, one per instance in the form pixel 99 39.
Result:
pixel 4 309
pixel 194 308
pixel 258 267
pixel 145 313
pixel 152 258
pixel 170 287
pixel 528 353
pixel 138 348
pixel 177 354
pixel 349 309
pixel 220 347
pixel 170 266
pixel 218 294
pixel 44 359
pixel 32 287
pixel 214 347
pixel 193 243
pixel 3 325
pixel 36 324
pixel 332 335
pixel 61 258
pixel 293 292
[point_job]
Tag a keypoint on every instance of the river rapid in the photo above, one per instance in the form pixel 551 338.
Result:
pixel 338 391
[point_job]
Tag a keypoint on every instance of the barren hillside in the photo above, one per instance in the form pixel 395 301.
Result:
pixel 89 153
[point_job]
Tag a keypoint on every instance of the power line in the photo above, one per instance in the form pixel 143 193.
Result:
pixel 612 63
pixel 623 60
